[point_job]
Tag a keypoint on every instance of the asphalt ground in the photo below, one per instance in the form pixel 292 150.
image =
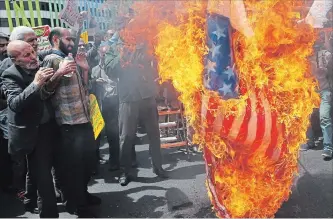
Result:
pixel 184 195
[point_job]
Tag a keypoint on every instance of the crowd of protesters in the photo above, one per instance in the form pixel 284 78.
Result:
pixel 45 119
pixel 48 149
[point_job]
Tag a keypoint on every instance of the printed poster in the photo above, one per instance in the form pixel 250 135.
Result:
pixel 43 33
pixel 96 117
pixel 70 14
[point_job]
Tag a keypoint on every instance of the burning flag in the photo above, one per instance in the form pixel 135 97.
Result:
pixel 250 143
pixel 220 74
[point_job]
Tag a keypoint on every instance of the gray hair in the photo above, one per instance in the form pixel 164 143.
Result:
pixel 19 32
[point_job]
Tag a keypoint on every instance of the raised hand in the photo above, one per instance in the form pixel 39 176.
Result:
pixel 81 60
pixel 66 68
pixel 42 76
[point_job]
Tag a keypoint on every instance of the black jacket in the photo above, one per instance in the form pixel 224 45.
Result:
pixel 135 80
pixel 25 109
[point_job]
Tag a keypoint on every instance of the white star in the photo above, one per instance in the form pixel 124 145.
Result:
pixel 229 72
pixel 210 66
pixel 215 50
pixel 225 89
pixel 219 32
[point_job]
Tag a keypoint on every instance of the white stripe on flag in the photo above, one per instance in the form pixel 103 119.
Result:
pixel 204 109
pixel 252 126
pixel 237 123
pixel 218 120
pixel 268 126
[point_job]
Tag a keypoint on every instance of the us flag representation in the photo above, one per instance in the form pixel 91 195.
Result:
pixel 254 130
pixel 219 73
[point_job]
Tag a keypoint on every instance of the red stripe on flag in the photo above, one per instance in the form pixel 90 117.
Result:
pixel 210 117
pixel 285 141
pixel 243 130
pixel 227 124
pixel 274 136
pixel 260 126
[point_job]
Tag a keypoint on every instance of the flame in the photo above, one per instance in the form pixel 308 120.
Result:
pixel 272 63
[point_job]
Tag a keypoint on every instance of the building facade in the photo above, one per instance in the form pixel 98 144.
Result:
pixel 36 13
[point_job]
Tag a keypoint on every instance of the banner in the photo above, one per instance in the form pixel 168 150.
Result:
pixel 84 36
pixel 43 33
pixel 96 117
pixel 70 14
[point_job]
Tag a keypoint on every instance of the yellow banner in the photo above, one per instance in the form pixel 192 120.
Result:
pixel 84 37
pixel 96 117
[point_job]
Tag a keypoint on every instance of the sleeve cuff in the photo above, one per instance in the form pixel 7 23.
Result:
pixel 32 88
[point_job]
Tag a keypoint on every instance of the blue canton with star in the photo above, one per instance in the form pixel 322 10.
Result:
pixel 219 73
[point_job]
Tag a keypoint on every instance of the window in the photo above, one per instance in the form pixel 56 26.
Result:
pixel 25 5
pixel 46 21
pixel 34 5
pixel 2 5
pixel 44 6
pixel 4 22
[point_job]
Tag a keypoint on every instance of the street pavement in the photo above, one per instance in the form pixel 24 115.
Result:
pixel 184 195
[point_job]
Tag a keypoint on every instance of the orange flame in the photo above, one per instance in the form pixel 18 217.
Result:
pixel 272 64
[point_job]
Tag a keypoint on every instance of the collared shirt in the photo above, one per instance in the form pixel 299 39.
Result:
pixel 70 100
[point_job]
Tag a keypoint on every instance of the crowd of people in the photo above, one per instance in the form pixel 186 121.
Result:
pixel 48 148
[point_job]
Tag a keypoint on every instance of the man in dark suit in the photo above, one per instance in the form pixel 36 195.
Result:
pixel 137 91
pixel 32 128
pixel 21 181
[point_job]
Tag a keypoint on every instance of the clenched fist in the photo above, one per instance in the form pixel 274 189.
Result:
pixel 43 75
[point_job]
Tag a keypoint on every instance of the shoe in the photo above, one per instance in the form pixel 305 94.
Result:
pixel 114 168
pixel 92 199
pixel 161 173
pixel 32 208
pixel 327 153
pixel 124 180
pixel 307 146
pixel 85 213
